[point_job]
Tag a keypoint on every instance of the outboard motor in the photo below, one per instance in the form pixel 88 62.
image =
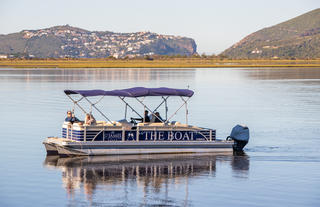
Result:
pixel 240 135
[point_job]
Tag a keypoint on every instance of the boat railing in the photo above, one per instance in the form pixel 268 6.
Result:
pixel 207 134
pixel 101 131
pixel 91 134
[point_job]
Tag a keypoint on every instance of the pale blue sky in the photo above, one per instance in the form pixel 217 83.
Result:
pixel 215 25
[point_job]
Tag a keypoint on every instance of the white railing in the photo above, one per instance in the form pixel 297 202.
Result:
pixel 91 135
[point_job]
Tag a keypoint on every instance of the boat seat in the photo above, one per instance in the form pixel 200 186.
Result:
pixel 178 124
pixel 125 124
pixel 198 128
pixel 142 124
pixel 156 124
pixel 103 123
pixel 113 123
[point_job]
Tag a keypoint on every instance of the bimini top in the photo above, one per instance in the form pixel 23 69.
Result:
pixel 134 92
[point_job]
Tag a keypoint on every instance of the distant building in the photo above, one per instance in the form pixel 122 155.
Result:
pixel 256 51
pixel 116 55
pixel 3 56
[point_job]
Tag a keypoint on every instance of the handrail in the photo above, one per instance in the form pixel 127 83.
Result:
pixel 91 135
pixel 97 135
pixel 203 135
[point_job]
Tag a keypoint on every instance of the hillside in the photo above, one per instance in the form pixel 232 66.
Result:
pixel 295 38
pixel 67 41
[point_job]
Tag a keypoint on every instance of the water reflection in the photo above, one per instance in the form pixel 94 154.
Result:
pixel 96 74
pixel 152 173
pixel 283 73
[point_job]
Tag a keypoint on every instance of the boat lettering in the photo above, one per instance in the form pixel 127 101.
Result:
pixel 113 135
pixel 170 136
pixel 177 135
pixel 186 137
pixel 160 136
pixel 166 136
pixel 153 136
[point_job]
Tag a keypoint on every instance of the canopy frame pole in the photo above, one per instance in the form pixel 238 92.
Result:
pixel 164 100
pixel 97 109
pixel 125 111
pixel 145 106
pixel 122 98
pixel 95 104
pixel 166 107
pixel 187 111
pixel 76 103
pixel 144 117
pixel 185 101
pixel 98 100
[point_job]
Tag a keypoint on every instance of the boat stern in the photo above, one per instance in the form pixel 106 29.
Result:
pixel 240 135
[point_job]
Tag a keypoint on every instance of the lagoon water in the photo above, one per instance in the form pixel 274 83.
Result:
pixel 280 166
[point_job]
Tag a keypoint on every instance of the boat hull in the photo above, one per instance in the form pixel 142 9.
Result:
pixel 51 144
pixel 51 149
pixel 65 148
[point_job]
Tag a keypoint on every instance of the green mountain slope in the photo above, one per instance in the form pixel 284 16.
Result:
pixel 295 38
pixel 67 41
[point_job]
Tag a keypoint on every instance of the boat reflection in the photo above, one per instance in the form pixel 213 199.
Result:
pixel 147 172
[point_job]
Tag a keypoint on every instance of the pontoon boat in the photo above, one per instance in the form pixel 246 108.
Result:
pixel 129 137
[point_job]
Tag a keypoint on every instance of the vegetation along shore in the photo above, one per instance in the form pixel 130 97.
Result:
pixel 154 63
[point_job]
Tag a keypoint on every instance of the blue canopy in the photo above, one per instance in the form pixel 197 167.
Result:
pixel 134 92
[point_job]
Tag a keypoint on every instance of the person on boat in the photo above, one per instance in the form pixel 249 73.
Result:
pixel 71 118
pixel 89 119
pixel 157 118
pixel 146 116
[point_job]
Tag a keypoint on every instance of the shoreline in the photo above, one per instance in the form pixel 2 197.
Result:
pixel 158 63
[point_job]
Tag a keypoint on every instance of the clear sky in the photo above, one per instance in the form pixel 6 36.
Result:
pixel 215 25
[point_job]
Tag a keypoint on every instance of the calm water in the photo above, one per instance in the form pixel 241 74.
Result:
pixel 280 167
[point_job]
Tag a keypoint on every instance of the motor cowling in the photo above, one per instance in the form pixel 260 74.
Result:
pixel 240 135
